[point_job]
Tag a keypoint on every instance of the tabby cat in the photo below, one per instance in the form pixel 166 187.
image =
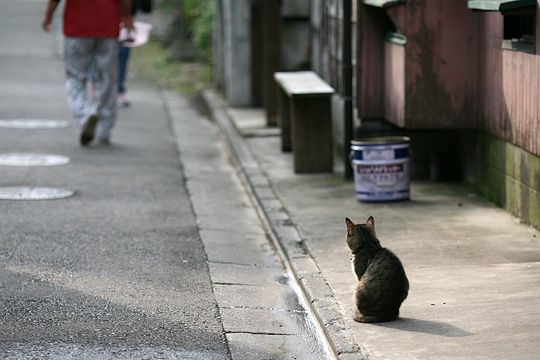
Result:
pixel 382 283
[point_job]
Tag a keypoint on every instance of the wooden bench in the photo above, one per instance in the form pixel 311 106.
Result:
pixel 304 116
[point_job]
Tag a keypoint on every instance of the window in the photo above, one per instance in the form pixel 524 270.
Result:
pixel 520 29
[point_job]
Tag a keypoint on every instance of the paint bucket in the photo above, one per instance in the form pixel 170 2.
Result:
pixel 381 168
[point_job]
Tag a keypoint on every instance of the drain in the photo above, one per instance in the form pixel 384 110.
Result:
pixel 30 159
pixel 33 124
pixel 33 193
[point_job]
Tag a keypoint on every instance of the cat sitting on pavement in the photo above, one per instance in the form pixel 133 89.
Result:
pixel 382 283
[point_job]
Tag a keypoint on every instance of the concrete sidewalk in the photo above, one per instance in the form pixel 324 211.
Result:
pixel 474 269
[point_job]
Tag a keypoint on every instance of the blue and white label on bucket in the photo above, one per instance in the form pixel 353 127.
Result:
pixel 382 181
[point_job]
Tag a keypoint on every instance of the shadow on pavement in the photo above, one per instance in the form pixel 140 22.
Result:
pixel 426 326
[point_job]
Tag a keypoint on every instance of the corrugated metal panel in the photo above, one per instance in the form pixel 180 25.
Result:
pixel 394 83
pixel 370 42
pixel 509 89
pixel 441 66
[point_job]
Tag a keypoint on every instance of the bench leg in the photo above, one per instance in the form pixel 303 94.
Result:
pixel 312 135
pixel 284 119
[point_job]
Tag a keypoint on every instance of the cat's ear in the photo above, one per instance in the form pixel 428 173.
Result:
pixel 350 225
pixel 371 221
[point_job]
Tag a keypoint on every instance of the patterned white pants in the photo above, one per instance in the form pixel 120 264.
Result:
pixel 79 56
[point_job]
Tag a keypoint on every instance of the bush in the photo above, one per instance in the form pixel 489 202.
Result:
pixel 191 27
pixel 201 20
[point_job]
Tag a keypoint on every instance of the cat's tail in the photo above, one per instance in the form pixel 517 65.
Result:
pixel 375 318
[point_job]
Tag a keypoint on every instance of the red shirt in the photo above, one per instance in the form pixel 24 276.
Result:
pixel 92 18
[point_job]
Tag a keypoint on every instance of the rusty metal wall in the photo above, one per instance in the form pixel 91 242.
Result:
pixel 441 60
pixel 370 60
pixel 456 74
pixel 509 87
pixel 394 83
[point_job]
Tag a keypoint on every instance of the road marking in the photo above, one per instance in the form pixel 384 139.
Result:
pixel 33 193
pixel 38 124
pixel 32 159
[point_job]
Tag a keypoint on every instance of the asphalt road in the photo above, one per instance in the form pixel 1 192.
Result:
pixel 118 269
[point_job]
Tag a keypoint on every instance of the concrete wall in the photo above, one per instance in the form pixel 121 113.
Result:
pixel 295 50
pixel 295 8
pixel 218 49
pixel 338 131
pixel 232 48
pixel 295 34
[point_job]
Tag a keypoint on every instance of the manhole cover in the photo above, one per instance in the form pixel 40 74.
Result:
pixel 33 124
pixel 29 159
pixel 33 193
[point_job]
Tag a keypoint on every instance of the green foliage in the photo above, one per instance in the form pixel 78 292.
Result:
pixel 154 63
pixel 192 25
pixel 200 14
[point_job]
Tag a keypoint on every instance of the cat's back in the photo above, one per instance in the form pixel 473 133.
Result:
pixel 386 258
pixel 386 267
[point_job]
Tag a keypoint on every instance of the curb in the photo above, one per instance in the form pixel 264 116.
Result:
pixel 285 237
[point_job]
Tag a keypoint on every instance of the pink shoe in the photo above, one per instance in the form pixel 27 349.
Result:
pixel 122 101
